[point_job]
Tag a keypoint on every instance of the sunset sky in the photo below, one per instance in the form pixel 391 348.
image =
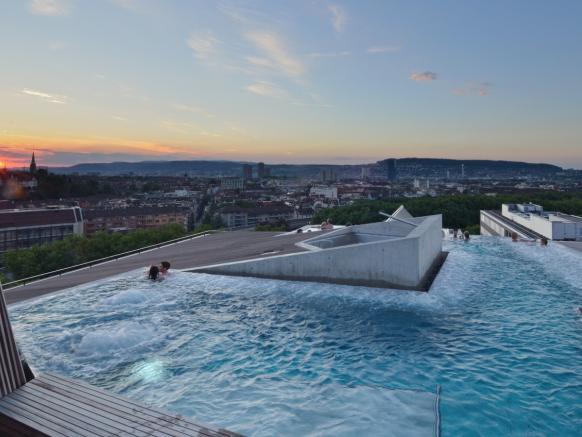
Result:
pixel 290 81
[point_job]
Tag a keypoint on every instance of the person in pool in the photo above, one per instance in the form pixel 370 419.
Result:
pixel 154 274
pixel 164 268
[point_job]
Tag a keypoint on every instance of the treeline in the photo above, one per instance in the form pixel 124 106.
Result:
pixel 76 249
pixel 459 211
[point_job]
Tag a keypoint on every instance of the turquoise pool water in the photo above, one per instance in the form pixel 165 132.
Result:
pixel 499 331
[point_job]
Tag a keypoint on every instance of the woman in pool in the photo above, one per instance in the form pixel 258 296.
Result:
pixel 154 274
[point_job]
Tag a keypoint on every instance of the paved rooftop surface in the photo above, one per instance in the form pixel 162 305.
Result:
pixel 576 245
pixel 211 249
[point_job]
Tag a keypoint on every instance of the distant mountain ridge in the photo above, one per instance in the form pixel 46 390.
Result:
pixel 407 167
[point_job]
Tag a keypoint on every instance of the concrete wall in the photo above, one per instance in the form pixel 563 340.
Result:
pixel 395 263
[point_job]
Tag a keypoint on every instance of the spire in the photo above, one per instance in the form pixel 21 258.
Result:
pixel 33 164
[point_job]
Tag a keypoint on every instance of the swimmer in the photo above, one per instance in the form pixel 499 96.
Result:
pixel 164 268
pixel 154 274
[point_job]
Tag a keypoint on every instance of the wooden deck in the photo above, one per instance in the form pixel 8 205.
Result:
pixel 52 405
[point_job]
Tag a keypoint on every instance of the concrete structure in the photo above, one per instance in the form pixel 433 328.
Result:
pixel 532 222
pixel 23 228
pixel 219 247
pixel 403 252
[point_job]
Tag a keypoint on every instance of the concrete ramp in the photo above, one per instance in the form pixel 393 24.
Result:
pixel 402 254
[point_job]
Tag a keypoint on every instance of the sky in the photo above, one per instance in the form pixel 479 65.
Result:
pixel 297 81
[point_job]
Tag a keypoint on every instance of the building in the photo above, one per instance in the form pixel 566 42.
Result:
pixel 23 228
pixel 232 183
pixel 33 164
pixel 263 171
pixel 128 219
pixel 365 173
pixel 390 169
pixel 247 171
pixel 325 191
pixel 243 217
pixel 328 175
pixel 530 221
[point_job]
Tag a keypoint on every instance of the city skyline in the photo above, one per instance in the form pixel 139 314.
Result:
pixel 336 82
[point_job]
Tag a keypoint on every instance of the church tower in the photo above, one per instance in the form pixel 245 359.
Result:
pixel 33 164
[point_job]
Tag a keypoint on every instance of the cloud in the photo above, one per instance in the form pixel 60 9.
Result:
pixel 193 109
pixel 48 7
pixel 427 76
pixel 338 17
pixel 473 89
pixel 266 89
pixel 374 50
pixel 276 53
pixel 119 118
pixel 203 46
pixel 317 55
pixel 51 98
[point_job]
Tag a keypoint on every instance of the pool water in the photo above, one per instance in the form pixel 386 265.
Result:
pixel 499 332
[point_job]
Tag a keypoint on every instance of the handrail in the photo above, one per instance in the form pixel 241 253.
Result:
pixel 91 263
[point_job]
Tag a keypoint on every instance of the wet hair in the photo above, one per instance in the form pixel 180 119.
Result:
pixel 154 273
pixel 165 264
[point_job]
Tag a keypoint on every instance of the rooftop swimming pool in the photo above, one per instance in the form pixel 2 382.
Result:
pixel 499 332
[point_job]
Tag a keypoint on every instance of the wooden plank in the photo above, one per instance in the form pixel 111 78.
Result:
pixel 124 402
pixel 10 427
pixel 67 407
pixel 34 422
pixel 52 408
pixel 51 417
pixel 109 411
pixel 193 428
pixel 121 406
pixel 11 371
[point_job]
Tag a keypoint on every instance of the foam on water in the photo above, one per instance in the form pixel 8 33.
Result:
pixel 264 357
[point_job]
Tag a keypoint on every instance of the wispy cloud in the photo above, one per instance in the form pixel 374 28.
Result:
pixel 119 118
pixel 193 109
pixel 267 89
pixel 51 98
pixel 317 55
pixel 473 89
pixel 426 76
pixel 338 17
pixel 374 50
pixel 271 45
pixel 49 7
pixel 203 46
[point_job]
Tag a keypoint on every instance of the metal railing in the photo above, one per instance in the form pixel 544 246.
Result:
pixel 91 263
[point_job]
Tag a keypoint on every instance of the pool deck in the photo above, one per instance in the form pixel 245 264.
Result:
pixel 575 245
pixel 206 250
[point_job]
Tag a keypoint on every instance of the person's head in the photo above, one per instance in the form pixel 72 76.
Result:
pixel 164 266
pixel 154 273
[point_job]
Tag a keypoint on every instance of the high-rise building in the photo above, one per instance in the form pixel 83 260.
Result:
pixel 365 173
pixel 328 175
pixel 390 169
pixel 247 171
pixel 263 171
